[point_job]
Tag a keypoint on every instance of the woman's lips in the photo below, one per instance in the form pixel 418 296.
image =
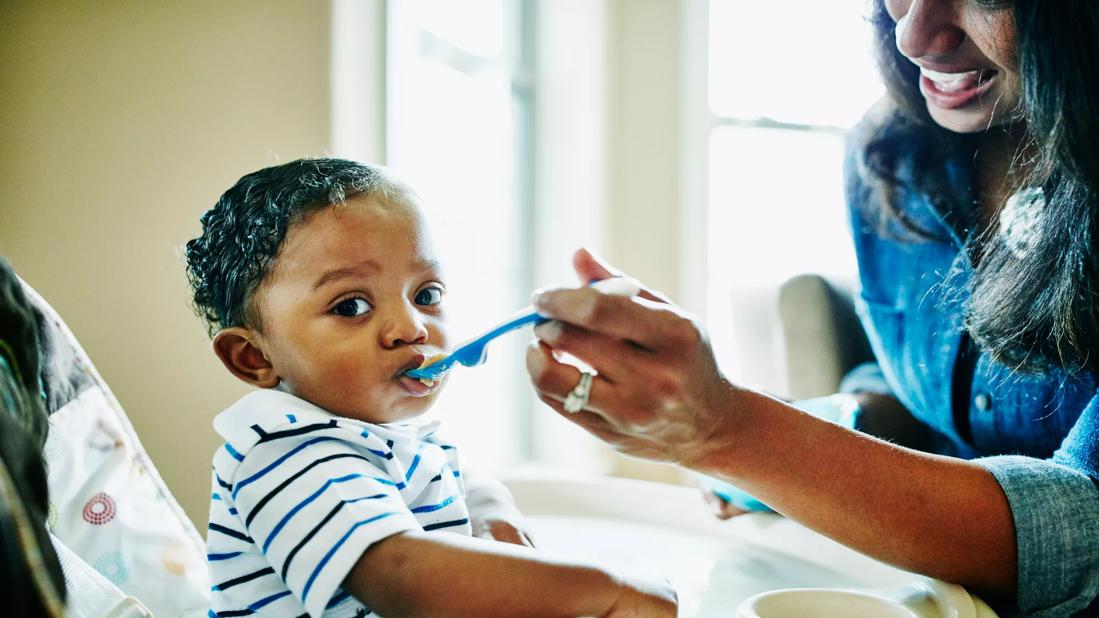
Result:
pixel 954 90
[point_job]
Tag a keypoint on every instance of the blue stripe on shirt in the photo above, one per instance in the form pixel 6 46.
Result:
pixel 290 479
pixel 335 548
pixel 435 507
pixel 232 451
pixel 308 537
pixel 225 556
pixel 301 505
pixel 285 519
pixel 412 468
pixel 275 597
pixel 294 451
pixel 385 481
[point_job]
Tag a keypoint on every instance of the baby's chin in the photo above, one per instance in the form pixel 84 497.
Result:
pixel 375 410
pixel 397 412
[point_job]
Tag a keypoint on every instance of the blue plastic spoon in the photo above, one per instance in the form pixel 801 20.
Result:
pixel 474 352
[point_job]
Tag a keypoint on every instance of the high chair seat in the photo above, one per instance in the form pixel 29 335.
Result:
pixel 109 507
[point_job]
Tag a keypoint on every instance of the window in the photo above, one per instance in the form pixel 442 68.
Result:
pixel 458 130
pixel 786 81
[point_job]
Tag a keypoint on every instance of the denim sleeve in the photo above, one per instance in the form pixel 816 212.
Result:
pixel 1056 513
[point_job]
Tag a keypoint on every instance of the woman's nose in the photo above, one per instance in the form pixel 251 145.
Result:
pixel 929 28
pixel 404 326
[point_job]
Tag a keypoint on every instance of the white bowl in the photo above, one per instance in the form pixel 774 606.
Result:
pixel 821 603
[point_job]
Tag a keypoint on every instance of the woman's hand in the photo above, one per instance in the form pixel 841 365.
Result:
pixel 658 393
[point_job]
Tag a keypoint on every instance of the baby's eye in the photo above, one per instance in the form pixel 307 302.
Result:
pixel 352 307
pixel 429 296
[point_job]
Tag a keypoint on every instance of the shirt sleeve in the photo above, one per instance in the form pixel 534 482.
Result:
pixel 1055 506
pixel 865 378
pixel 313 505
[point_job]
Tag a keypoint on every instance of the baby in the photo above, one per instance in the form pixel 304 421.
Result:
pixel 320 287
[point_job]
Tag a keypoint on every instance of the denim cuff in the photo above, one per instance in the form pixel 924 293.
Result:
pixel 1056 513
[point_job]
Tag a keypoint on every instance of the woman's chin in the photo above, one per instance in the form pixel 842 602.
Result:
pixel 962 121
pixel 969 119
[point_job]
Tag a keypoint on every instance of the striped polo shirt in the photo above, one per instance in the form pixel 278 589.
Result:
pixel 299 494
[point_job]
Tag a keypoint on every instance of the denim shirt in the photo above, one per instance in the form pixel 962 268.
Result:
pixel 1037 435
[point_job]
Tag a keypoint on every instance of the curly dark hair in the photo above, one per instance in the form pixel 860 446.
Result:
pixel 242 233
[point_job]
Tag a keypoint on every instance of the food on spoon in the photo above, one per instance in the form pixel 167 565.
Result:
pixel 431 360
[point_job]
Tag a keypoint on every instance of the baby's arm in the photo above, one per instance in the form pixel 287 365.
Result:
pixel 420 574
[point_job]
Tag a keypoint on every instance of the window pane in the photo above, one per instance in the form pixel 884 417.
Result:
pixel 474 26
pixel 455 136
pixel 776 210
pixel 798 61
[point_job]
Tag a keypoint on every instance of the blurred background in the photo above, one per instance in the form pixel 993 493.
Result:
pixel 695 144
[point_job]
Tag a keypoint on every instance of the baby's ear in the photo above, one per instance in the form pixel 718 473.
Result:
pixel 239 351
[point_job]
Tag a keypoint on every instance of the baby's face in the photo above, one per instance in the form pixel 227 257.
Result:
pixel 354 299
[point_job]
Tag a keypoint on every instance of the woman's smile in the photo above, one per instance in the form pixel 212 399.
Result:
pixel 966 53
pixel 954 89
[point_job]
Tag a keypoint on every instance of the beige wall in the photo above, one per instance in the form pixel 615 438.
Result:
pixel 643 111
pixel 120 123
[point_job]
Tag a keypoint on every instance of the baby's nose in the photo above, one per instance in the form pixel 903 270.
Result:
pixel 404 328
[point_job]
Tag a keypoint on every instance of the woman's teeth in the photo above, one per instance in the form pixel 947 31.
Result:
pixel 953 82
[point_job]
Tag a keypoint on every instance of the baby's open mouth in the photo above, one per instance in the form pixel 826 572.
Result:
pixel 431 360
pixel 418 362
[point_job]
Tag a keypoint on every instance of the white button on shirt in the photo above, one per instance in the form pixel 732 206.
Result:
pixel 299 494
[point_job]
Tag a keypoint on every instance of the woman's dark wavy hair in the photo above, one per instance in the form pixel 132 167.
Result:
pixel 242 233
pixel 1038 310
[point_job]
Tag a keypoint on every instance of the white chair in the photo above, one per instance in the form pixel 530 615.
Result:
pixel 126 547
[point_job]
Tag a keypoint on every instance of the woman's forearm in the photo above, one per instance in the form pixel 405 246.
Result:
pixel 884 417
pixel 935 515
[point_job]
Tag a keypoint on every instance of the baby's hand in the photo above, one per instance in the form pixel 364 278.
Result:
pixel 493 515
pixel 642 598
pixel 722 508
pixel 505 530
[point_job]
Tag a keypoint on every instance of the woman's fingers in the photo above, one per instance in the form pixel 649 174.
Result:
pixel 652 325
pixel 614 358
pixel 590 267
pixel 553 381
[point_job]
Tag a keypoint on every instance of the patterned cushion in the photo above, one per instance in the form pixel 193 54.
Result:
pixel 108 503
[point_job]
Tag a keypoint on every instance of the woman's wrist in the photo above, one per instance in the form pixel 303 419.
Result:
pixel 717 449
